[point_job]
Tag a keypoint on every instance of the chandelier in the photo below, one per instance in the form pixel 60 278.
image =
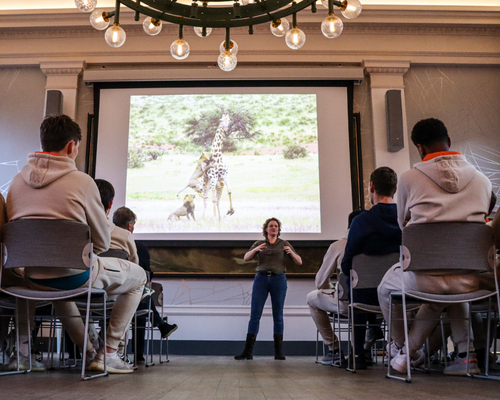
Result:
pixel 217 14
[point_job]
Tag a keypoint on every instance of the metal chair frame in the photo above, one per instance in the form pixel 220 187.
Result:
pixel 366 273
pixel 56 244
pixel 426 247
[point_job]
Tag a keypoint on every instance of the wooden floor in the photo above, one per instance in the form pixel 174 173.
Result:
pixel 214 377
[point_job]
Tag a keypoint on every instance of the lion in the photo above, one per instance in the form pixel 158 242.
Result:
pixel 186 210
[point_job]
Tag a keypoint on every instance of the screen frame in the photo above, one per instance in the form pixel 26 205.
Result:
pixel 353 128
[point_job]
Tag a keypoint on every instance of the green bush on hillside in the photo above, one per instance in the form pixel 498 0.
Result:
pixel 294 151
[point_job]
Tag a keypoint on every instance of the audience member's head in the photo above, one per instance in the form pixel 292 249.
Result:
pixel 107 192
pixel 353 215
pixel 266 224
pixel 383 183
pixel 125 218
pixel 430 136
pixel 57 132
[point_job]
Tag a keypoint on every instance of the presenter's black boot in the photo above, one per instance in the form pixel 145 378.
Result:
pixel 247 353
pixel 278 343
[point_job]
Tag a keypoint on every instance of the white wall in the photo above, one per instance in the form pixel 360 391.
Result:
pixel 219 309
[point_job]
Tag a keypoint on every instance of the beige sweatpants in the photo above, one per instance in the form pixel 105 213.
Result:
pixel 120 279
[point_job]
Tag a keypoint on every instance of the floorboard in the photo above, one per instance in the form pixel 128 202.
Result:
pixel 223 378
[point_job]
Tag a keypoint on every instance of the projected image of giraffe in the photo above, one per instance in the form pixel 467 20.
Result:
pixel 217 177
pixel 261 148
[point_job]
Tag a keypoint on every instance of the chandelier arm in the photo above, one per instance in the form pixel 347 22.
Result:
pixel 217 17
pixel 117 13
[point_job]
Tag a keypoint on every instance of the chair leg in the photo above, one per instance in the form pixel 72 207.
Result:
pixel 389 375
pixel 445 344
pixel 149 341
pixel 84 351
pixel 351 362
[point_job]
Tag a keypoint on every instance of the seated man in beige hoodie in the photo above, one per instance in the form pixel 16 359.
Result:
pixel 50 186
pixel 444 187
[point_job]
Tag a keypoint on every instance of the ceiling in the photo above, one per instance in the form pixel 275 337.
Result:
pixel 69 4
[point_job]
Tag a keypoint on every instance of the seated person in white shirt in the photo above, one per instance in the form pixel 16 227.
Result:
pixel 324 299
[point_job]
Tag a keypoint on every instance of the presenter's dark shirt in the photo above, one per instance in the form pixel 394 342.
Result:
pixel 273 258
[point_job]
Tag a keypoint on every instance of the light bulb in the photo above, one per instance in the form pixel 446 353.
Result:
pixel 86 5
pixel 227 61
pixel 115 36
pixel 295 38
pixel 199 31
pixel 281 28
pixel 332 26
pixel 179 49
pixel 99 20
pixel 352 10
pixel 152 26
pixel 246 2
pixel 233 47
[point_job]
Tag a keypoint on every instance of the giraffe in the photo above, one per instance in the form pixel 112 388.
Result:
pixel 216 177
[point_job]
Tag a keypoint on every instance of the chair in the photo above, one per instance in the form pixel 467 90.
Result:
pixel 367 272
pixel 157 299
pixel 445 246
pixel 45 243
pixel 337 318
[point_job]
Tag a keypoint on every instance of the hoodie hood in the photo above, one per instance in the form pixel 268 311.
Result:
pixel 43 169
pixel 452 173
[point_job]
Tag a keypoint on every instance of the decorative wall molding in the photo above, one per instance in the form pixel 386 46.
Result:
pixel 71 68
pixel 170 30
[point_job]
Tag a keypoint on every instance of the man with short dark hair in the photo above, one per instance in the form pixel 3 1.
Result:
pixel 50 186
pixel 374 232
pixel 443 187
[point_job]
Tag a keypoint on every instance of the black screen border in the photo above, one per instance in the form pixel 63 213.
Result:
pixel 355 153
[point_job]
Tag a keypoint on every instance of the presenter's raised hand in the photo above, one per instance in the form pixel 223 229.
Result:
pixel 260 248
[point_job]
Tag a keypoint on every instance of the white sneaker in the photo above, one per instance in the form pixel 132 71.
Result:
pixel 400 362
pixel 418 359
pixel 114 364
pixel 24 364
pixel 393 349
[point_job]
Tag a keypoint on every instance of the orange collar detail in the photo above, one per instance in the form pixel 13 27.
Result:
pixel 439 154
pixel 50 154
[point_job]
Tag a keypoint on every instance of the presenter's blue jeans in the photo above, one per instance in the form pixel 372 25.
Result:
pixel 262 286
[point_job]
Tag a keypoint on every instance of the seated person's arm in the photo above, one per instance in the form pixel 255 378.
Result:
pixel 404 214
pixel 96 219
pixel 132 250
pixel 496 230
pixel 3 212
pixel 354 246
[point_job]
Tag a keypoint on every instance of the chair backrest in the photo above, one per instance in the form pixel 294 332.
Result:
pixel 368 271
pixel 342 287
pixel 46 243
pixel 158 294
pixel 115 253
pixel 446 246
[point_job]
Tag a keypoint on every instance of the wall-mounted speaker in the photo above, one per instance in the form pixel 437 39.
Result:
pixel 394 120
pixel 54 102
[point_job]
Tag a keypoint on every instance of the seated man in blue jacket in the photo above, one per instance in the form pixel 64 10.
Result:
pixel 374 232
